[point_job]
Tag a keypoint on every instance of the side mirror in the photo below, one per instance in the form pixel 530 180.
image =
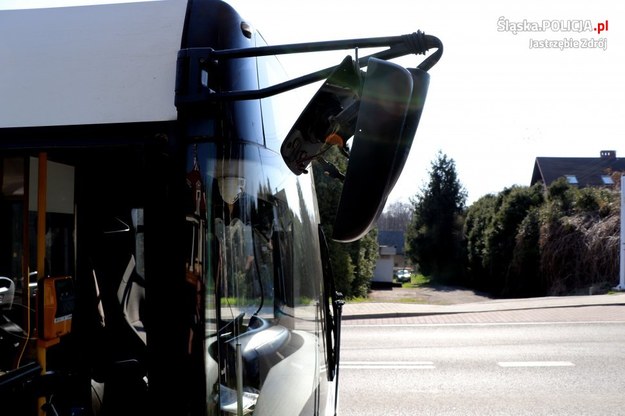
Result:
pixel 390 109
pixel 382 113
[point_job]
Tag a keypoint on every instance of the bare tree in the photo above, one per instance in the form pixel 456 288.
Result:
pixel 396 217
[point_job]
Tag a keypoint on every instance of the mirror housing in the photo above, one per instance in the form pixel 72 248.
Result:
pixel 390 109
pixel 382 113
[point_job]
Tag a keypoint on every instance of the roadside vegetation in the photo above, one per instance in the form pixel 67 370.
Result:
pixel 522 242
pixel 416 281
pixel 353 264
pixel 528 242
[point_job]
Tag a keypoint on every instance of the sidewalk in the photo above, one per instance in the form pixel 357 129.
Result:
pixel 598 308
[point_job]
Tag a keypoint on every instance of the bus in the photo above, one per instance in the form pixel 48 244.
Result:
pixel 160 239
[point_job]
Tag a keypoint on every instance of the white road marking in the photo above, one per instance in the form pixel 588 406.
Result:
pixel 388 365
pixel 508 364
pixel 345 324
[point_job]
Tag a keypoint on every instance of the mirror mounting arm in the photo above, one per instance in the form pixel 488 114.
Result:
pixel 195 65
pixel 418 43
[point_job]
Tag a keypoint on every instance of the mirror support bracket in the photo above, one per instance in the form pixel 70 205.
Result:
pixel 195 65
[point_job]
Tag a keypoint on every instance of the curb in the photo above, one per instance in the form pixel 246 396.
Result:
pixel 372 310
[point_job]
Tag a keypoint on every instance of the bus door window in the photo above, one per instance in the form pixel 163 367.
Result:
pixel 13 324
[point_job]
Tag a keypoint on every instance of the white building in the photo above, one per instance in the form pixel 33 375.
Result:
pixel 383 273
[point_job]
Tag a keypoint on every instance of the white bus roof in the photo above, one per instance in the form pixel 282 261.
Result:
pixel 113 63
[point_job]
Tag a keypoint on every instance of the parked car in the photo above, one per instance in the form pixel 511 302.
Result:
pixel 403 275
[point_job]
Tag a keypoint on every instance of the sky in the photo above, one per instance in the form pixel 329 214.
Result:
pixel 500 96
pixel 517 79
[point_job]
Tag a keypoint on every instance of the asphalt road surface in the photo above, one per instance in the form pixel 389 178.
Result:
pixel 523 368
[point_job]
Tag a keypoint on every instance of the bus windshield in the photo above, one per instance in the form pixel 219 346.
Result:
pixel 244 236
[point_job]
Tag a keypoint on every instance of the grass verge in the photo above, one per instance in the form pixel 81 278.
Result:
pixel 417 280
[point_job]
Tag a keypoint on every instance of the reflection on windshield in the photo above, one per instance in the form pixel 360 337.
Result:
pixel 260 315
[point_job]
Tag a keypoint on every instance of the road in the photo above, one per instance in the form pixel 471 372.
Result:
pixel 524 368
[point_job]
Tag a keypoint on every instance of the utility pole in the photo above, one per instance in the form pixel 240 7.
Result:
pixel 621 285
